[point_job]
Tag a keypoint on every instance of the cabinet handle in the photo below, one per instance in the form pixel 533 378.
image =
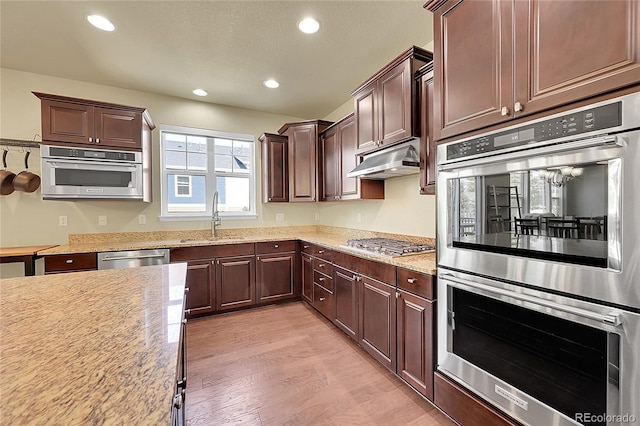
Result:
pixel 354 278
pixel 177 401
pixel 320 251
pixel 397 294
pixel 187 311
pixel 184 321
pixel 321 265
pixel 517 107
pixel 320 279
pixel 276 246
pixel 91 140
pixel 97 140
pixel 269 198
pixel 258 258
pixel 321 299
pixel 412 280
pixel 358 278
pixel 186 289
pixel 305 247
pixel 69 261
pixel 504 111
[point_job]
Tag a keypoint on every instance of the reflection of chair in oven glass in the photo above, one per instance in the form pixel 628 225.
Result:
pixel 496 224
pixel 467 226
pixel 563 228
pixel 527 226
pixel 592 227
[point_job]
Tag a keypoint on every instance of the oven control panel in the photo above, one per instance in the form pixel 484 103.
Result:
pixel 576 123
pixel 93 154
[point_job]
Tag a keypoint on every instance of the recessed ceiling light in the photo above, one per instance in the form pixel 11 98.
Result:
pixel 101 22
pixel 200 92
pixel 309 25
pixel 271 84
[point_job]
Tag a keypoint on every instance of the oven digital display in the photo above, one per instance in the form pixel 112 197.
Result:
pixel 514 137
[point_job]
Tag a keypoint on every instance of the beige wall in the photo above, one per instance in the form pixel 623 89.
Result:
pixel 28 220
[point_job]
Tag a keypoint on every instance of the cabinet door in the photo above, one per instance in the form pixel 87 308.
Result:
pixel 472 65
pixel 415 341
pixel 274 276
pixel 349 187
pixel 366 113
pixel 303 142
pixel 571 49
pixel 67 122
pixel 235 282
pixel 346 297
pixel 330 154
pixel 427 142
pixel 307 278
pixel 200 281
pixel 395 104
pixel 118 128
pixel 275 177
pixel 377 334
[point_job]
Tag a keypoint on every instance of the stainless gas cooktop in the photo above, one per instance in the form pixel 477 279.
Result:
pixel 387 247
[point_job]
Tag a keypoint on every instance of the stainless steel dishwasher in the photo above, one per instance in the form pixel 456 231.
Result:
pixel 132 258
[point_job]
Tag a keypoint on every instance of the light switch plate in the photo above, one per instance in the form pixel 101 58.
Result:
pixel 142 219
pixel 62 221
pixel 102 220
pixel 279 217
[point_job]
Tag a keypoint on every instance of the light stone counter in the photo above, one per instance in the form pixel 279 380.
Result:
pixel 98 347
pixel 330 237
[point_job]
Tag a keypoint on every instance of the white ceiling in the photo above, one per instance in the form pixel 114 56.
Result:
pixel 225 47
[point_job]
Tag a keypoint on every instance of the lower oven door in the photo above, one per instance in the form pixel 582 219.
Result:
pixel 543 359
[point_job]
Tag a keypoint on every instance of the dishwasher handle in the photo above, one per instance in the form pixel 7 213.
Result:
pixel 146 256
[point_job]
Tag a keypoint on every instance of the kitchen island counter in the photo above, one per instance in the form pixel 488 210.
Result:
pixel 329 237
pixel 98 347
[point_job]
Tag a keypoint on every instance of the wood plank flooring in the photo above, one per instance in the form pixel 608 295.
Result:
pixel 287 365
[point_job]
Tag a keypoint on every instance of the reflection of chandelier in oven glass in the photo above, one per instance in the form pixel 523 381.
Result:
pixel 560 176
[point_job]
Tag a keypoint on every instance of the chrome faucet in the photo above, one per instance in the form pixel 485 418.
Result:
pixel 215 218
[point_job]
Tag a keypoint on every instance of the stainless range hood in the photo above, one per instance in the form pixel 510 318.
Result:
pixel 399 160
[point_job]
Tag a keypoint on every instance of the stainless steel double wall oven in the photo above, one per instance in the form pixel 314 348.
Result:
pixel 539 265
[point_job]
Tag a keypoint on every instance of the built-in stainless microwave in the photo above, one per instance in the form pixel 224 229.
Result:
pixel 83 173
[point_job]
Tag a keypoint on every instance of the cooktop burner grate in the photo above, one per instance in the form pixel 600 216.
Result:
pixel 388 247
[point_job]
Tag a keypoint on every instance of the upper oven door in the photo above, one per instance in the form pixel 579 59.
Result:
pixel 559 217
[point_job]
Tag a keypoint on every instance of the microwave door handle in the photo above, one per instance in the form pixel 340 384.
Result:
pixel 612 318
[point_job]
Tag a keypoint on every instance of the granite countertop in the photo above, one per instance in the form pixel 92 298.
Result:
pixel 98 347
pixel 329 237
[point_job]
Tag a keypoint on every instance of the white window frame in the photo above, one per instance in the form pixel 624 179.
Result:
pixel 210 175
pixel 189 185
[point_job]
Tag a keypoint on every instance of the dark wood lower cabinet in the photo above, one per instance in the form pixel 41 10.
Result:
pixel 415 333
pixel 275 274
pixel 345 283
pixel 464 407
pixel 236 283
pixel 200 282
pixel 377 334
pixel 307 278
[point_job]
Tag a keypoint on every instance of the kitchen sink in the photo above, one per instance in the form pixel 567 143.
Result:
pixel 201 240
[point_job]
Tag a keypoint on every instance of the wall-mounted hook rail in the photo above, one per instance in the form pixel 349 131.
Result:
pixel 20 143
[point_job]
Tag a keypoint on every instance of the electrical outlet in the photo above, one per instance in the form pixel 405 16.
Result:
pixel 317 216
pixel 142 219
pixel 102 220
pixel 279 217
pixel 358 218
pixel 62 220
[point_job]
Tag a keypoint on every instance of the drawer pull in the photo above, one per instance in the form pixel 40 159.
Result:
pixel 320 251
pixel 321 265
pixel 321 299
pixel 412 280
pixel 321 279
pixel 305 247
pixel 186 289
pixel 276 246
pixel 69 261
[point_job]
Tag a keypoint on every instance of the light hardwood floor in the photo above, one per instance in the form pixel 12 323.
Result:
pixel 287 365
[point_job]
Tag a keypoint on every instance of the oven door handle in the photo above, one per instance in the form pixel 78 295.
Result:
pixel 613 318
pixel 534 151
pixel 93 165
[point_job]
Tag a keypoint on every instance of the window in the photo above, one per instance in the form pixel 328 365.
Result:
pixel 196 163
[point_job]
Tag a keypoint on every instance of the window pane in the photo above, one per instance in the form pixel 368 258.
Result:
pixel 223 146
pixel 233 194
pixel 196 203
pixel 196 144
pixel 538 193
pixel 241 164
pixel 224 163
pixel 241 148
pixel 197 161
pixel 175 142
pixel 175 160
pixel 183 180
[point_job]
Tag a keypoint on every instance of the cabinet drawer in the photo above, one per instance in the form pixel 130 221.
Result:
pixel 417 283
pixel 70 262
pixel 323 280
pixel 322 265
pixel 323 301
pixel 275 247
pixel 317 251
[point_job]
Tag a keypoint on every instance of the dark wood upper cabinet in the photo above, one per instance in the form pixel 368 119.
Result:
pixel 427 141
pixel 275 168
pixel 386 105
pixel 303 158
pixel 73 121
pixel 498 60
pixel 338 147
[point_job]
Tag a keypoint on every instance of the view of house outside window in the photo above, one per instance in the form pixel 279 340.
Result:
pixel 195 163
